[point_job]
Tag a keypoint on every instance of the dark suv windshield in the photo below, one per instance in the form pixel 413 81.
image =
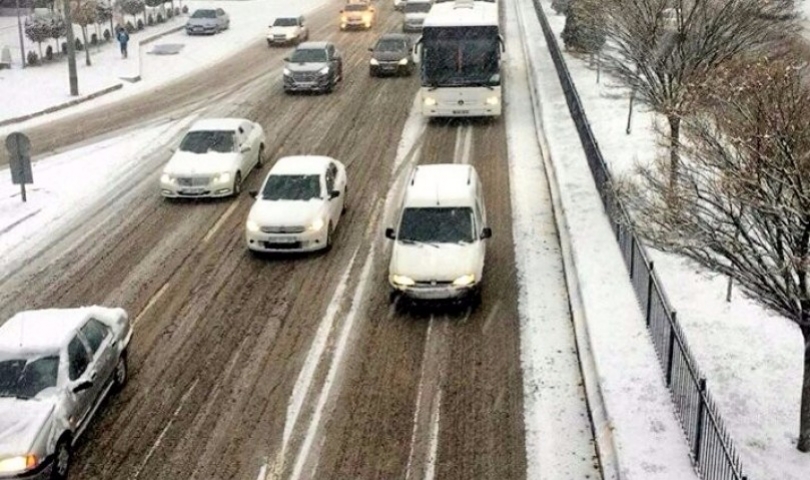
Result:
pixel 292 187
pixel 204 141
pixel 437 225
pixel 308 55
pixel 26 377
pixel 285 22
pixel 390 45
pixel 204 14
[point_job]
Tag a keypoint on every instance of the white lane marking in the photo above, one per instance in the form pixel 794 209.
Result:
pixel 151 303
pixel 458 146
pixel 466 152
pixel 262 472
pixel 219 223
pixel 433 448
pixel 337 362
pixel 165 429
pixel 419 393
pixel 491 315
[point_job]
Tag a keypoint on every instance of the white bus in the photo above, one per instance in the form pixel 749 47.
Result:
pixel 460 57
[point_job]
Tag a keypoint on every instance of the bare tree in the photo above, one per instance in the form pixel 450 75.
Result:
pixel 743 196
pixel 84 13
pixel 662 48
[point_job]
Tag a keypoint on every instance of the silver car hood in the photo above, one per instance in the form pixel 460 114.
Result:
pixel 306 67
pixel 20 424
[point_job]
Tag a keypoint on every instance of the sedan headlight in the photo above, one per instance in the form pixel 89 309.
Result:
pixel 316 225
pixel 429 101
pixel 286 72
pixel 374 62
pixel 404 61
pixel 290 34
pixel 18 464
pixel 166 178
pixel 492 101
pixel 402 280
pixel 223 177
pixel 252 226
pixel 464 281
pixel 323 71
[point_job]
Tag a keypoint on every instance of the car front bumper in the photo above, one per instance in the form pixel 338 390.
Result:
pixel 442 292
pixel 212 190
pixel 271 40
pixel 318 84
pixel 201 30
pixel 307 241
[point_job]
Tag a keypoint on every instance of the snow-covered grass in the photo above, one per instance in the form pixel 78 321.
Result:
pixel 752 358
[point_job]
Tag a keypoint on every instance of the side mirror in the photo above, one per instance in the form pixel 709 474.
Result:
pixel 486 233
pixel 341 11
pixel 286 59
pixel 334 194
pixel 253 193
pixel 370 49
pixel 245 149
pixel 82 386
pixel 389 233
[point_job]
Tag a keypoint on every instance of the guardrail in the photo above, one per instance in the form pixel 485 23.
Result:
pixel 712 449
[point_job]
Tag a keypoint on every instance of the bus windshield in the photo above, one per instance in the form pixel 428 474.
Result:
pixel 465 56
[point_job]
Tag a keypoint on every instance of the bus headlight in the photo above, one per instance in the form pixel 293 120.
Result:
pixel 492 101
pixel 429 101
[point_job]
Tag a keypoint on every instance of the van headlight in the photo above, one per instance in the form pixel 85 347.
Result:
pixel 402 280
pixel 429 101
pixel 464 281
pixel 323 71
pixel 252 226
pixel 492 101
pixel 166 178
pixel 374 61
pixel 316 225
pixel 404 61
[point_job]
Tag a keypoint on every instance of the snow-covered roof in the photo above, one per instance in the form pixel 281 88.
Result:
pixel 462 14
pixel 441 185
pixel 209 124
pixel 301 165
pixel 41 330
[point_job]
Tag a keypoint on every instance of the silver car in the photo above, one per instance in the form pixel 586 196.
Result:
pixel 207 21
pixel 56 368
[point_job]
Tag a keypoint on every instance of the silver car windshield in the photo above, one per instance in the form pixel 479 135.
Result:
pixel 292 187
pixel 437 225
pixel 26 377
pixel 208 141
pixel 204 14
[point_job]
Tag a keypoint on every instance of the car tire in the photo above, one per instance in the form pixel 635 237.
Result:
pixel 61 459
pixel 121 374
pixel 237 184
pixel 260 160
pixel 345 201
pixel 330 234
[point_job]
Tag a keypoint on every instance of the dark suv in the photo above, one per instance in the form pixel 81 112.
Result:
pixel 391 55
pixel 313 67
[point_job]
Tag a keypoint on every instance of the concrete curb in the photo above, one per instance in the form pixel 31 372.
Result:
pixel 601 425
pixel 62 106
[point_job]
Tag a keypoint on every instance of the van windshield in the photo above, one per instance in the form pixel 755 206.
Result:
pixel 437 225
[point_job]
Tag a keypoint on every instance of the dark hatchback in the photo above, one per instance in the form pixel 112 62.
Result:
pixel 391 55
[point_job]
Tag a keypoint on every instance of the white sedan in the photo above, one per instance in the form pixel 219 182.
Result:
pixel 299 205
pixel 214 158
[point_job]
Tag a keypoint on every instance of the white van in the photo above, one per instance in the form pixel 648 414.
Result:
pixel 439 242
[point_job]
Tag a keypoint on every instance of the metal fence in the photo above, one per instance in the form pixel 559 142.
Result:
pixel 711 446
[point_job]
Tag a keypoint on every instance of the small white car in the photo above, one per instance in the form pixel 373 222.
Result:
pixel 288 30
pixel 440 242
pixel 214 158
pixel 56 368
pixel 299 205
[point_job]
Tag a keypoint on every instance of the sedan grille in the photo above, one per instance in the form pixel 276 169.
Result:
pixel 283 229
pixel 280 37
pixel 193 181
pixel 305 76
pixel 433 283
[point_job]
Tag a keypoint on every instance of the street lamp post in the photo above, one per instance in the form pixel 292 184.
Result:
pixel 71 47
pixel 20 30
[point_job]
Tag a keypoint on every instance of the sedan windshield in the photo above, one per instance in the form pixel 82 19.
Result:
pixel 292 187
pixel 437 225
pixel 308 55
pixel 204 14
pixel 203 142
pixel 357 7
pixel 417 7
pixel 26 377
pixel 285 22
pixel 391 45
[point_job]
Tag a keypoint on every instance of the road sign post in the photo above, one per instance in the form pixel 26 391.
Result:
pixel 19 149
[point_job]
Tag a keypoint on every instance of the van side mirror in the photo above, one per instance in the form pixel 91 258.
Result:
pixel 253 193
pixel 486 233
pixel 389 233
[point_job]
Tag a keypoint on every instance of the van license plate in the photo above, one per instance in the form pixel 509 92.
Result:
pixel 460 112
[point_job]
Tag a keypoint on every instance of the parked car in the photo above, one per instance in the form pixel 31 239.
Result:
pixel 439 242
pixel 214 158
pixel 391 55
pixel 56 368
pixel 299 206
pixel 357 15
pixel 207 21
pixel 313 66
pixel 286 30
pixel 415 13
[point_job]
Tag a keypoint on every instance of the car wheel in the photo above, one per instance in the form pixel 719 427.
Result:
pixel 345 201
pixel 237 184
pixel 61 462
pixel 329 237
pixel 331 87
pixel 260 160
pixel 121 374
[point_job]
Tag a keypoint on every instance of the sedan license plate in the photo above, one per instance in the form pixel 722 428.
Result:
pixel 460 112
pixel 192 190
pixel 283 240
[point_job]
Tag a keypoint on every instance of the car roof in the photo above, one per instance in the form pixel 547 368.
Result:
pixel 41 330
pixel 312 45
pixel 301 164
pixel 441 185
pixel 209 124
